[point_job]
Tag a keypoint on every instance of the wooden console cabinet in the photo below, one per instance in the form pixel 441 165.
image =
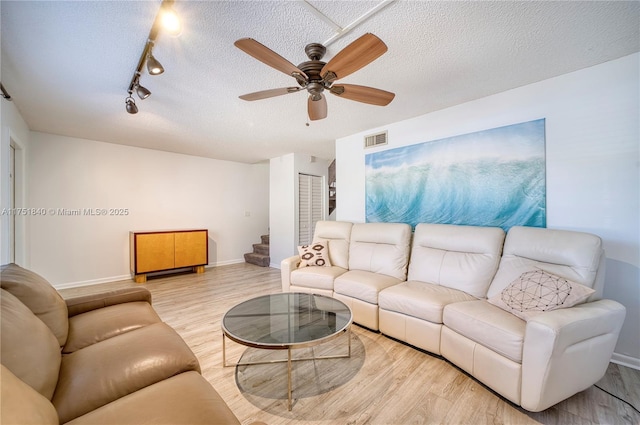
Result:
pixel 167 250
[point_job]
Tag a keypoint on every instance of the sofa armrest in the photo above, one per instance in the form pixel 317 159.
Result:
pixel 567 351
pixel 82 304
pixel 286 267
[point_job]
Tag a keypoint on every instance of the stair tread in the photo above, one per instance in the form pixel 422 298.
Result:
pixel 257 259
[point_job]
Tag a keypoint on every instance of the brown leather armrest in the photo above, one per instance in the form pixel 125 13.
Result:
pixel 82 304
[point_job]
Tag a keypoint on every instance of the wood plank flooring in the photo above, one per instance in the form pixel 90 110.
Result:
pixel 384 382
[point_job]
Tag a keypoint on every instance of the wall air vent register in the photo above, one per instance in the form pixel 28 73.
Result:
pixel 375 140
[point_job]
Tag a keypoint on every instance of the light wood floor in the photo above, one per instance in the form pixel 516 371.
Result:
pixel 384 382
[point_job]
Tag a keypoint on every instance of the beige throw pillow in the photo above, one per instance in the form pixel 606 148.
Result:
pixel 537 291
pixel 316 254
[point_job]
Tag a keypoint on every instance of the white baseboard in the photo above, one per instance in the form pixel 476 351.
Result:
pixel 92 282
pixel 128 276
pixel 226 263
pixel 628 361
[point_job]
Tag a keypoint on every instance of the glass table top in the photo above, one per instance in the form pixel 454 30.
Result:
pixel 280 321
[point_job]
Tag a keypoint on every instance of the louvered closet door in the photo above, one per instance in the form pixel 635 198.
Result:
pixel 310 206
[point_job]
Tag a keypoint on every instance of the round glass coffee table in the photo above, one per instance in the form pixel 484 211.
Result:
pixel 286 321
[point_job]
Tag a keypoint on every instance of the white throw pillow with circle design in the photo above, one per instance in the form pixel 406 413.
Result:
pixel 537 291
pixel 315 254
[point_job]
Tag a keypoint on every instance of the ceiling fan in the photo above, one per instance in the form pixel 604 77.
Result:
pixel 316 76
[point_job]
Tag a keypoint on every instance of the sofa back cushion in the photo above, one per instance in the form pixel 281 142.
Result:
pixel 21 404
pixel 28 348
pixel 465 258
pixel 37 293
pixel 337 235
pixel 575 256
pixel 380 248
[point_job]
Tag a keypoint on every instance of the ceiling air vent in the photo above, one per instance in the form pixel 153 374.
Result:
pixel 375 140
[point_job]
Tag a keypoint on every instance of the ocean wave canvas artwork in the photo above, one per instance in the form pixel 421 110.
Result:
pixel 493 177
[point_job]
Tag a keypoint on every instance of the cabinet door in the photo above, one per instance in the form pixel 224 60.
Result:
pixel 154 251
pixel 191 248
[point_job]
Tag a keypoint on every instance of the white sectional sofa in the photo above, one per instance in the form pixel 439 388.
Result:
pixel 472 295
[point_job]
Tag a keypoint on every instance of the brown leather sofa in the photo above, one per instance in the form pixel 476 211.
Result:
pixel 98 359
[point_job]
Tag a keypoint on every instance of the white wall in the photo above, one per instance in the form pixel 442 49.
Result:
pixel 14 130
pixel 283 216
pixel 592 154
pixel 160 190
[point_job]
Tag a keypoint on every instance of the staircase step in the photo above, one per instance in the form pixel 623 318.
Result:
pixel 265 239
pixel 257 259
pixel 260 248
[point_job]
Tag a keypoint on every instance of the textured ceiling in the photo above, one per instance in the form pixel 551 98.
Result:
pixel 67 65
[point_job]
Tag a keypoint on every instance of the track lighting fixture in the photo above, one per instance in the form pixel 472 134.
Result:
pixel 166 19
pixel 131 105
pixel 5 94
pixel 154 67
pixel 143 92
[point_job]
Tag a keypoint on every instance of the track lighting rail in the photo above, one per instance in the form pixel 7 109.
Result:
pixel 5 94
pixel 166 18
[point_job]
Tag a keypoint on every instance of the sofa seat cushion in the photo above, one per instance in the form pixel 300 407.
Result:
pixel 316 277
pixel 487 325
pixel 363 285
pixel 97 325
pixel 423 300
pixel 39 295
pixel 28 348
pixel 103 372
pixel 186 398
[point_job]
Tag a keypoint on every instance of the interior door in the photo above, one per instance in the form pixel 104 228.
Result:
pixel 310 206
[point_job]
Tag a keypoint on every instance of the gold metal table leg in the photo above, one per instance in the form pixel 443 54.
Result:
pixel 289 375
pixel 224 351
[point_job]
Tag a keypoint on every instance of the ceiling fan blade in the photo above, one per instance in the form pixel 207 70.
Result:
pixel 317 108
pixel 363 94
pixel 269 93
pixel 356 55
pixel 269 57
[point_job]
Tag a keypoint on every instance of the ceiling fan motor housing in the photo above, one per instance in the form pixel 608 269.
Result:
pixel 314 84
pixel 315 51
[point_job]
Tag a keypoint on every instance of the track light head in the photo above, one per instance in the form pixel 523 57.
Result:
pixel 131 105
pixel 143 92
pixel 170 21
pixel 153 66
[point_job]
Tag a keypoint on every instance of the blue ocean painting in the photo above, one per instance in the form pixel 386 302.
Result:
pixel 493 177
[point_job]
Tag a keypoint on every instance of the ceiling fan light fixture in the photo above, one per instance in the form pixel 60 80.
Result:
pixel 130 104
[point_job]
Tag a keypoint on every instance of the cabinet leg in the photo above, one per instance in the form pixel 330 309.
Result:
pixel 140 278
pixel 198 269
